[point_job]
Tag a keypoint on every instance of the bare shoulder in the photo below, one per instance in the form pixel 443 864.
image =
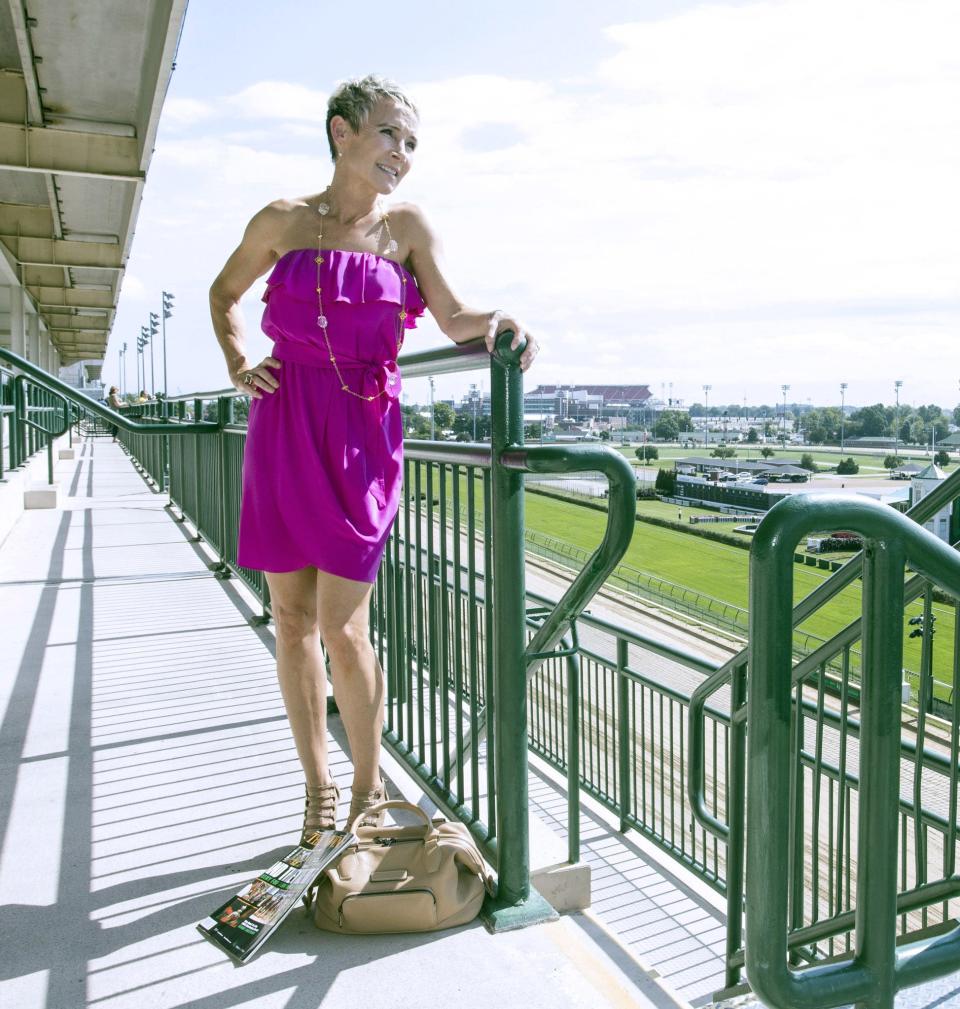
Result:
pixel 269 224
pixel 414 225
pixel 264 234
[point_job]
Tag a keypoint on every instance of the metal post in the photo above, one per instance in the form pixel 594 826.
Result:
pixel 896 429
pixel 736 817
pixel 843 389
pixel 880 767
pixel 516 903
pixel 432 433
pixel 625 732
pixel 165 311
pixel 783 420
pixel 706 414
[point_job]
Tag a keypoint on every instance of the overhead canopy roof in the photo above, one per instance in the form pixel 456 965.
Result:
pixel 82 83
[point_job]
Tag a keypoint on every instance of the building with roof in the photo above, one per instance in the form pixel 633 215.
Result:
pixel 946 523
pixel 590 402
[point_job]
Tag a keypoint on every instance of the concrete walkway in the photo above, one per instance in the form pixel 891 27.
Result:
pixel 148 771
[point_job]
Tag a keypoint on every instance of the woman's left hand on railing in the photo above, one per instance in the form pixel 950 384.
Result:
pixel 499 321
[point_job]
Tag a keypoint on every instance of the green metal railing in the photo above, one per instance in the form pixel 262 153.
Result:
pixel 32 417
pixel 454 717
pixel 656 734
pixel 825 788
pixel 872 976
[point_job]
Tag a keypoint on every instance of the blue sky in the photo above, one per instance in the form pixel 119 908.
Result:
pixel 740 194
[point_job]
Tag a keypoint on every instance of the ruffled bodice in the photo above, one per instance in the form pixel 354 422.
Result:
pixel 362 297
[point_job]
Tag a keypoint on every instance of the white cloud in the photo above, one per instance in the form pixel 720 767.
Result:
pixel 132 288
pixel 280 100
pixel 738 192
pixel 186 111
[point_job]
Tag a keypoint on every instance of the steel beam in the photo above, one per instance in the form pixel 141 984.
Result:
pixel 28 220
pixel 31 85
pixel 69 152
pixel 56 297
pixel 76 325
pixel 64 253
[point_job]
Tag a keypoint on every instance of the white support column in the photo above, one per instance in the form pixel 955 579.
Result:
pixel 33 338
pixel 18 333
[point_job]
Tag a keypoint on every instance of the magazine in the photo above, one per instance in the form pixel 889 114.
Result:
pixel 242 925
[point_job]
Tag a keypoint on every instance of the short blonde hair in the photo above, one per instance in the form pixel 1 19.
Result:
pixel 355 99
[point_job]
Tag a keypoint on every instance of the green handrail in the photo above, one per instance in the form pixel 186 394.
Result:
pixel 507 458
pixel 921 512
pixel 621 522
pixel 516 902
pixel 98 409
pixel 874 975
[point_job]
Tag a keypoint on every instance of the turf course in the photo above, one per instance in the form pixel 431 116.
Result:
pixel 722 571
pixel 717 570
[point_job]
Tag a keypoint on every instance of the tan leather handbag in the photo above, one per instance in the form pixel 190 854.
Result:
pixel 402 879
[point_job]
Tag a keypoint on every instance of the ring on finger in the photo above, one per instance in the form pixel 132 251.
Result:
pixel 248 378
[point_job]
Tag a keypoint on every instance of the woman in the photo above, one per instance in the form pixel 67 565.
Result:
pixel 323 457
pixel 115 403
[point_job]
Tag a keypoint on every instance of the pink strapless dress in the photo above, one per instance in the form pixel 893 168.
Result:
pixel 321 468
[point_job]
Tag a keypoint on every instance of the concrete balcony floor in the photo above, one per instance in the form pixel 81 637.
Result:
pixel 148 772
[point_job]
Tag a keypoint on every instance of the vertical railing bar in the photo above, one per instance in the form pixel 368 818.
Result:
pixel 951 841
pixel 490 700
pixel 662 791
pixel 796 824
pixel 683 777
pixel 673 777
pixel 644 737
pixel 474 651
pixel 409 588
pixel 924 704
pixel 842 850
pixel 605 714
pixel 457 628
pixel 815 812
pixel 444 633
pixel 624 725
pixel 573 763
pixel 736 798
pixel 434 645
pixel 422 662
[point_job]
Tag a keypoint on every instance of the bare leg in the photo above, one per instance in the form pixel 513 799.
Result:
pixel 300 667
pixel 342 610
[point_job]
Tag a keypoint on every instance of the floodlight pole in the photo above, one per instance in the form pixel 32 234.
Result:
pixel 783 421
pixel 843 389
pixel 896 431
pixel 432 437
pixel 706 414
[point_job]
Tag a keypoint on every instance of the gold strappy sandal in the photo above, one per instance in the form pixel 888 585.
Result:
pixel 320 810
pixel 360 801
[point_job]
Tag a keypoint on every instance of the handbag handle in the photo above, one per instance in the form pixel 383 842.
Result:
pixel 391 804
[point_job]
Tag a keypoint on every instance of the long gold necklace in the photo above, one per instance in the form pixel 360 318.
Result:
pixel 323 209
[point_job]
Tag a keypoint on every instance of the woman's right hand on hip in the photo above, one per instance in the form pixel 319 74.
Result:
pixel 257 380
